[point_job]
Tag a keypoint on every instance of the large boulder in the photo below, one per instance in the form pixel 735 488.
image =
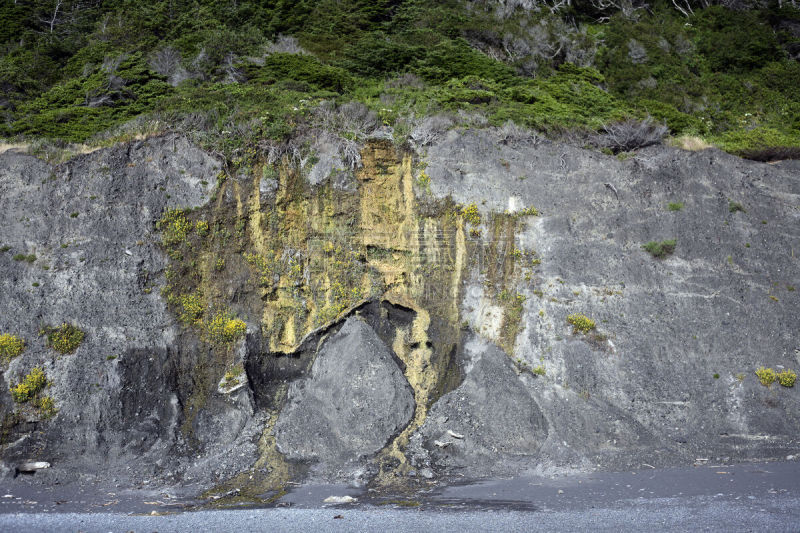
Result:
pixel 354 402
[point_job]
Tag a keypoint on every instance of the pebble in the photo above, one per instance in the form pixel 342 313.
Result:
pixel 339 499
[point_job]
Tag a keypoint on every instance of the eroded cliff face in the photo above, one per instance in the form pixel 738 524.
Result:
pixel 398 323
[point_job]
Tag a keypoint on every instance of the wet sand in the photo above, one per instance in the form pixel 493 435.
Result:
pixel 712 497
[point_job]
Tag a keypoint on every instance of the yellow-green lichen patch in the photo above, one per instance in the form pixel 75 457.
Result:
pixel 420 255
pixel 298 259
pixel 513 304
pixel 265 481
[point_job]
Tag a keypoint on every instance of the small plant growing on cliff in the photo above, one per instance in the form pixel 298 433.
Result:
pixel 202 228
pixel 766 376
pixel 65 338
pixel 225 328
pixel 539 370
pixel 46 406
pixel 192 308
pixel 733 207
pixel 787 378
pixel 267 268
pixel 30 386
pixel 10 347
pixel 660 249
pixel 471 214
pixel 529 211
pixel 174 227
pixel 675 206
pixel 27 258
pixel 232 377
pixel 424 182
pixel 581 323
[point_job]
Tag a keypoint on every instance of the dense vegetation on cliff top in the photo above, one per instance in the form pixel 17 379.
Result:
pixel 236 72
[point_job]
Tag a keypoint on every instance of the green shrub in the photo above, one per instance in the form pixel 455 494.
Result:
pixel 754 140
pixel 581 323
pixel 300 68
pixel 660 249
pixel 675 206
pixel 10 347
pixel 766 376
pixel 787 378
pixel 724 76
pixel 735 40
pixel 676 121
pixel 30 258
pixel 64 339
pixel 733 207
pixel 374 55
pixel 451 59
pixel 69 111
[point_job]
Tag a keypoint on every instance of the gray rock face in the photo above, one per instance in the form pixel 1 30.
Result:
pixel 355 400
pixel 90 223
pixel 489 424
pixel 669 380
pixel 675 380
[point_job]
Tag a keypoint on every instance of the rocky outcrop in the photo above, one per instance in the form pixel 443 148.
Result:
pixel 668 375
pixel 415 321
pixel 97 263
pixel 488 426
